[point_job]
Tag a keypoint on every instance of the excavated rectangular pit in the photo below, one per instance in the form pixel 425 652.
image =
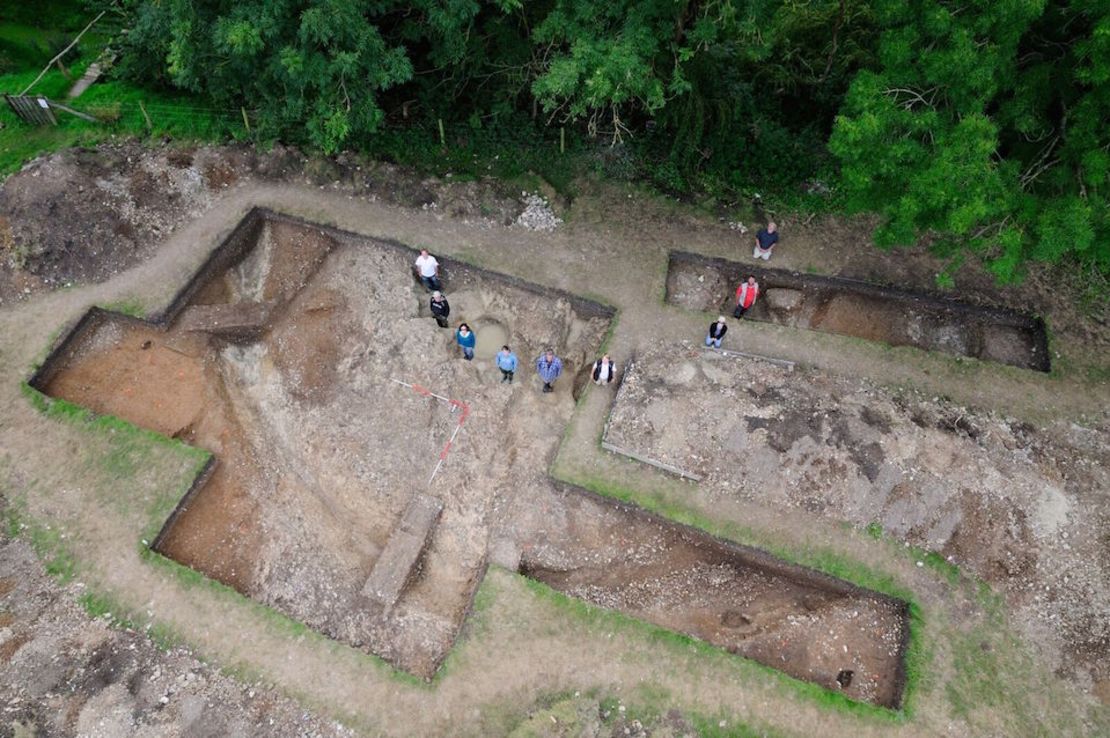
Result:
pixel 280 357
pixel 809 625
pixel 854 308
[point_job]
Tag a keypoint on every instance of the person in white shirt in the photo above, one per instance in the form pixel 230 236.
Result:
pixel 427 268
pixel 603 370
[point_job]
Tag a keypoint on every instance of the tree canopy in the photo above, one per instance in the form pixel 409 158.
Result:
pixel 981 124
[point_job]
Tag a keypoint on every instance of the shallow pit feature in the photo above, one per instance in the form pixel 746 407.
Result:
pixel 861 309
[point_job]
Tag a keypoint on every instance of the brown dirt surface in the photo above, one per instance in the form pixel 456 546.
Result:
pixel 296 513
pixel 809 628
pixel 990 666
pixel 889 315
pixel 63 673
pixel 82 215
pixel 1022 508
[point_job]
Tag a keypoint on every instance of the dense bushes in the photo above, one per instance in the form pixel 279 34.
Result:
pixel 982 124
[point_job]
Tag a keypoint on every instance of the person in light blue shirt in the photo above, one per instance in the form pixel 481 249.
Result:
pixel 506 362
pixel 549 367
pixel 466 340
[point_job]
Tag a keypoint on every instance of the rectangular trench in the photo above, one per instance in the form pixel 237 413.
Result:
pixel 809 625
pixel 854 308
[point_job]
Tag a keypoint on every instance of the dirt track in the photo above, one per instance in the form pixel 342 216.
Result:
pixel 522 647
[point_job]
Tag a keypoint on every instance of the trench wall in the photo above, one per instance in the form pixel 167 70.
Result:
pixel 863 309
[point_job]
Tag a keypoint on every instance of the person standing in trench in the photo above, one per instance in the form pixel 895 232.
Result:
pixel 506 362
pixel 440 308
pixel 549 367
pixel 745 297
pixel 603 370
pixel 466 340
pixel 427 268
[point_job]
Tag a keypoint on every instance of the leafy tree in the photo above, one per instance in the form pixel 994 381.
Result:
pixel 314 69
pixel 980 125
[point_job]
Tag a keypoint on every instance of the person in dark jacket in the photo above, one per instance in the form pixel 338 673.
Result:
pixel 765 240
pixel 440 308
pixel 603 371
pixel 717 331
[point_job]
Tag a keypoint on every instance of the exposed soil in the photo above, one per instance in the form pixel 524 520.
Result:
pixel 287 518
pixel 1021 508
pixel 63 673
pixel 613 243
pixel 296 512
pixel 83 215
pixel 811 627
pixel 853 308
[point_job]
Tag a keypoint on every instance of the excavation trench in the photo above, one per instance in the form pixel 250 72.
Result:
pixel 854 308
pixel 280 357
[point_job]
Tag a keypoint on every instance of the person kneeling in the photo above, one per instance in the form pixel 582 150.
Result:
pixel 717 332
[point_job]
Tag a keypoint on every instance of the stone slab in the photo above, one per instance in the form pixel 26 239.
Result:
pixel 394 568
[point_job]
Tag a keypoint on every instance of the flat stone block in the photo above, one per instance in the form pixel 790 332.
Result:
pixel 394 568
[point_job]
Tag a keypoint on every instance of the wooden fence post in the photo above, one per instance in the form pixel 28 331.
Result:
pixel 149 125
pixel 442 137
pixel 562 140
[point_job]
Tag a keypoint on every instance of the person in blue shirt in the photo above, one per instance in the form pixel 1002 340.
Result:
pixel 549 367
pixel 765 241
pixel 506 362
pixel 466 339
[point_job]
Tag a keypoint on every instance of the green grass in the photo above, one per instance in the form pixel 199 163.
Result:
pixel 128 433
pixel 47 541
pixel 129 447
pixel 114 102
pixel 131 306
pixel 563 712
pixel 917 654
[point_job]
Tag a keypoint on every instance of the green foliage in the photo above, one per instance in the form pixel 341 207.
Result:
pixel 58 15
pixel 312 69
pixel 982 126
pixel 987 128
pixel 116 104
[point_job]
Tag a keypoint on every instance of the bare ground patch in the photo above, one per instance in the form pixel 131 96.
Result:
pixel 1019 507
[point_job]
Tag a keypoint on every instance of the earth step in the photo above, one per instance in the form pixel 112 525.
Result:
pixel 394 568
pixel 236 321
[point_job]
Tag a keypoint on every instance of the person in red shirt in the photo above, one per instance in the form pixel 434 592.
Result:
pixel 745 297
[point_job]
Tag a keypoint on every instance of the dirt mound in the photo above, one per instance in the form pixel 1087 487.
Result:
pixel 82 215
pixel 63 672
